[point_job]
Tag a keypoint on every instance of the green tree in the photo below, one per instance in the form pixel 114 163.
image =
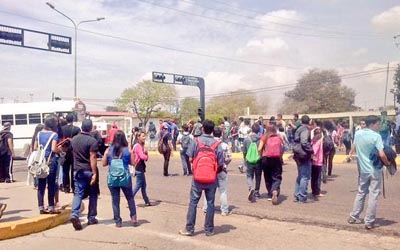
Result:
pixel 319 91
pixel 188 109
pixel 145 98
pixel 234 105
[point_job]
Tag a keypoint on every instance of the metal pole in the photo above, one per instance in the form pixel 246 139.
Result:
pixel 75 59
pixel 387 80
pixel 201 86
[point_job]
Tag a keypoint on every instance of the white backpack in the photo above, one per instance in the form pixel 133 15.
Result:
pixel 37 164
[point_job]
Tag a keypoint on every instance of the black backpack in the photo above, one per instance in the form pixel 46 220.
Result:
pixel 4 149
pixel 327 143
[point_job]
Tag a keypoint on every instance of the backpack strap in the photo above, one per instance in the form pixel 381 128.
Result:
pixel 215 145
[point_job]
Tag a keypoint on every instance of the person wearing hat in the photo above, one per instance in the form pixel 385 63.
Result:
pixel 166 139
pixel 6 153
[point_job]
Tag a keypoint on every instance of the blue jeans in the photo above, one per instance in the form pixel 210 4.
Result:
pixel 115 196
pixel 50 180
pixel 187 168
pixel 303 176
pixel 368 184
pixel 253 171
pixel 223 193
pixel 195 194
pixel 141 184
pixel 82 189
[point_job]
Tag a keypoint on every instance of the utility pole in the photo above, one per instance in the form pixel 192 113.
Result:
pixel 386 86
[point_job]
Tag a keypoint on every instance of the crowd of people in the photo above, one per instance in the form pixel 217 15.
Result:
pixel 71 153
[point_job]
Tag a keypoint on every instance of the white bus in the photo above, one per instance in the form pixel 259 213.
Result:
pixel 24 117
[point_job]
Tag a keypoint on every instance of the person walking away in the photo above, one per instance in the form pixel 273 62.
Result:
pixel 207 157
pixel 370 176
pixel 222 175
pixel 152 136
pixel 302 151
pixel 385 128
pixel 48 137
pixel 234 135
pixel 118 158
pixel 133 138
pixel 227 131
pixel 111 132
pixel 252 161
pixel 346 138
pixel 165 147
pixel 141 156
pixel 6 154
pixel 331 151
pixel 69 131
pixel 271 147
pixel 175 133
pixel 84 149
pixel 197 128
pixel 317 161
pixel 184 140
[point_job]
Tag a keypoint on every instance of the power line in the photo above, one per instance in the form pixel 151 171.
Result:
pixel 161 46
pixel 278 23
pixel 266 14
pixel 272 88
pixel 244 25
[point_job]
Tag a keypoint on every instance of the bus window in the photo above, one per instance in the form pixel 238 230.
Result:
pixel 7 118
pixel 21 119
pixel 34 118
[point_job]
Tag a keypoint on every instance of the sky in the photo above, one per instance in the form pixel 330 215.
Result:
pixel 238 44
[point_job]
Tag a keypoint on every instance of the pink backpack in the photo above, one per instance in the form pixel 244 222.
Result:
pixel 273 147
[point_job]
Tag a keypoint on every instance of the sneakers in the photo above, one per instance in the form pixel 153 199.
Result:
pixel 2 208
pixel 134 221
pixel 93 222
pixel 369 226
pixel 76 223
pixel 208 234
pixel 240 167
pixel 274 197
pixel 257 194
pixel 250 197
pixel 352 220
pixel 185 232
pixel 147 204
pixel 118 224
pixel 226 213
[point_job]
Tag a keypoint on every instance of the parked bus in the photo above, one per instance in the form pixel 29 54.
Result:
pixel 24 117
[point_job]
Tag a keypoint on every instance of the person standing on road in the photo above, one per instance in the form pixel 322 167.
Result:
pixel 271 147
pixel 166 139
pixel 6 154
pixel 141 156
pixel 244 132
pixel 253 170
pixel 120 150
pixel 44 137
pixel 317 160
pixel 152 136
pixel 84 149
pixel 69 131
pixel 370 177
pixel 184 139
pixel 204 141
pixel 303 151
pixel 175 133
pixel 222 175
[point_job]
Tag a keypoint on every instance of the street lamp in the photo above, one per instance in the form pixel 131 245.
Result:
pixel 76 39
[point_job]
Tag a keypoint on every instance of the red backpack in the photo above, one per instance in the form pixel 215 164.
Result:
pixel 205 164
pixel 273 147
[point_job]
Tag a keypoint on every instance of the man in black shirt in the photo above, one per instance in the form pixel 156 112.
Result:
pixel 84 148
pixel 69 131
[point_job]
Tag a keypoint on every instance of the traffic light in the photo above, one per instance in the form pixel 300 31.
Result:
pixel 180 79
pixel 10 36
pixel 158 77
pixel 200 113
pixel 59 44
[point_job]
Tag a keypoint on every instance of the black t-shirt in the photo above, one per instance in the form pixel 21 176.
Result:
pixel 4 148
pixel 69 131
pixel 82 145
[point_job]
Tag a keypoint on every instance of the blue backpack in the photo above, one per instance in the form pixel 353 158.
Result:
pixel 118 176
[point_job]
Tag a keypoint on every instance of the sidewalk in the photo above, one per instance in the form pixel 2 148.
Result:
pixel 22 214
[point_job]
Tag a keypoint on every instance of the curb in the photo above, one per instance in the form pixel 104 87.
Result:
pixel 338 159
pixel 37 224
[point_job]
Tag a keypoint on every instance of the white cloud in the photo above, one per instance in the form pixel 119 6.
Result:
pixel 387 21
pixel 359 52
pixel 224 82
pixel 267 46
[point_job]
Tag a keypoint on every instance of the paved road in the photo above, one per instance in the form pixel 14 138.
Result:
pixel 252 225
